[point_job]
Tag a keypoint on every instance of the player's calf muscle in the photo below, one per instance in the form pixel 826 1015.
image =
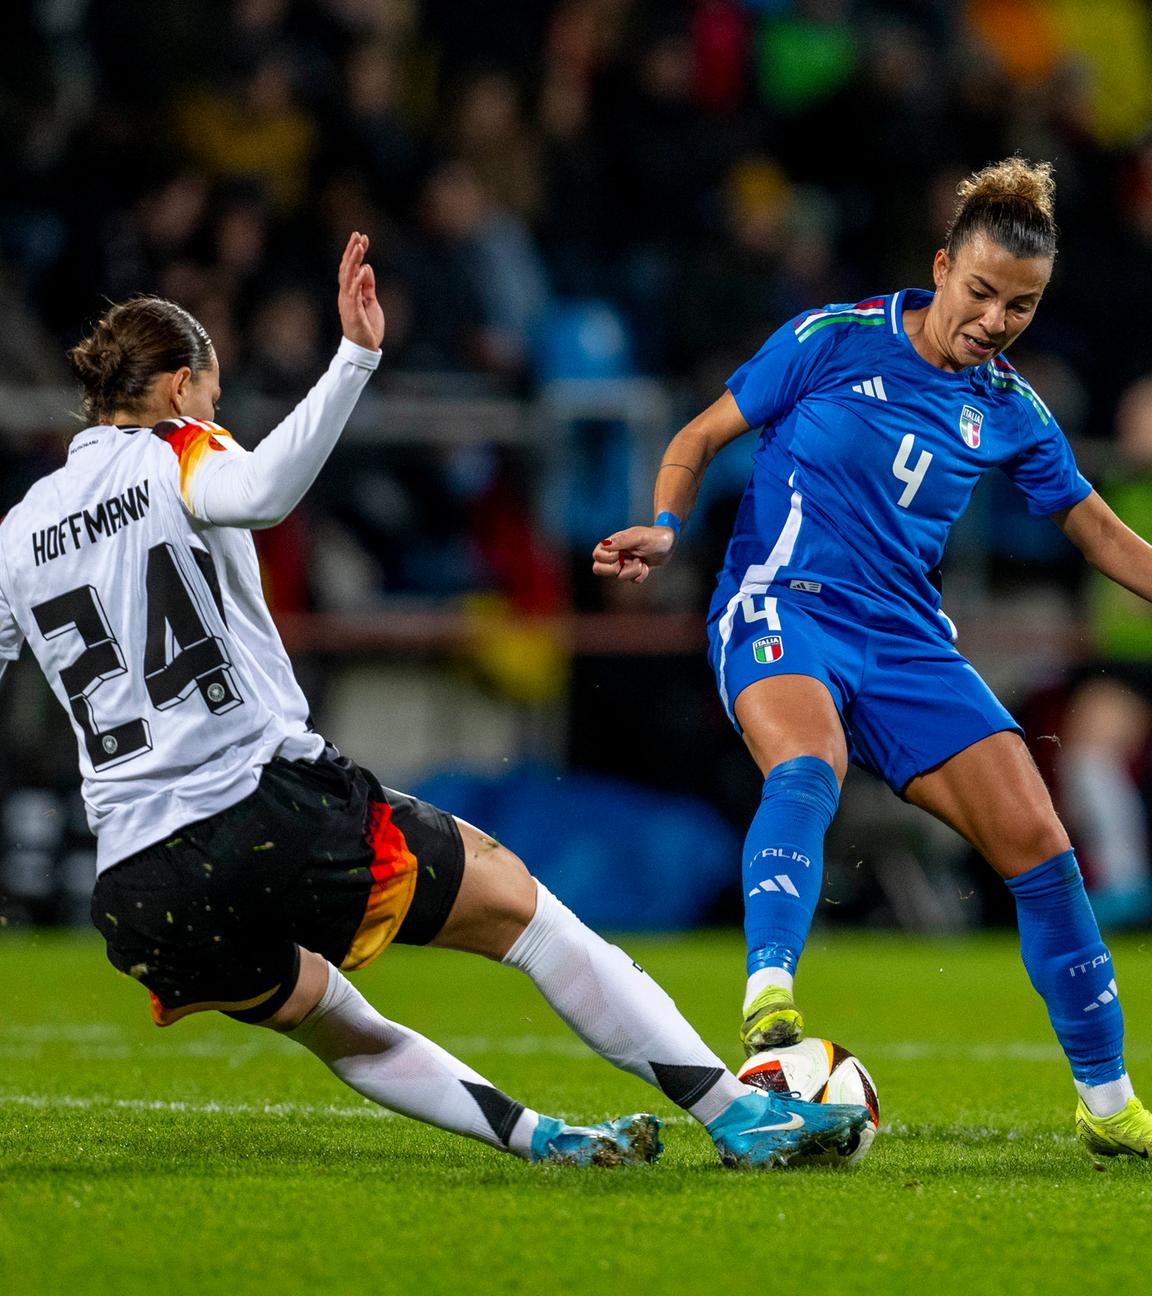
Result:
pixel 1020 838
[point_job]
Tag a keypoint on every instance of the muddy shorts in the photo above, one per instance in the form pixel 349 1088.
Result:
pixel 320 856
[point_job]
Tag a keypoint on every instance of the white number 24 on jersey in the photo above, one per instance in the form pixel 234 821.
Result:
pixel 913 478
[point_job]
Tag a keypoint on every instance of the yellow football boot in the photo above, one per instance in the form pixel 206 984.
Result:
pixel 772 1021
pixel 1128 1133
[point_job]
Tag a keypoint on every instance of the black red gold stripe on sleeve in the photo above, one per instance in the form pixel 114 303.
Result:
pixel 191 440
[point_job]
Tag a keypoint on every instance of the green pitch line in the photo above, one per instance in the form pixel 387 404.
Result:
pixel 211 1157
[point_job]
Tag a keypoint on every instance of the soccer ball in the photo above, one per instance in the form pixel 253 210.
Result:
pixel 819 1071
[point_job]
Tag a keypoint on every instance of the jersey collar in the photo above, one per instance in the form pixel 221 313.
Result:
pixel 916 299
pixel 93 435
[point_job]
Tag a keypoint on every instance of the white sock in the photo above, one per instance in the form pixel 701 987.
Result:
pixel 618 1010
pixel 1106 1099
pixel 405 1072
pixel 763 977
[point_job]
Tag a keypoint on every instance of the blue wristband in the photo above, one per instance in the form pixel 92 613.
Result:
pixel 669 520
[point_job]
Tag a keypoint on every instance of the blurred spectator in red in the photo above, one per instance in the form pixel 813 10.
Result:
pixel 720 37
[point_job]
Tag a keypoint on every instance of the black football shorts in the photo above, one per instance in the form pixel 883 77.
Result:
pixel 319 856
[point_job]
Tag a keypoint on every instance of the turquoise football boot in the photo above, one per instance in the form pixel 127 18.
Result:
pixel 767 1131
pixel 628 1140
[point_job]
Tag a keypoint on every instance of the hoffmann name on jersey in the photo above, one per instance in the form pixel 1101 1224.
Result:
pixel 131 573
pixel 105 520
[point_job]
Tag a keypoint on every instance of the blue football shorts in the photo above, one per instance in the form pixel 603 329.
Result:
pixel 907 701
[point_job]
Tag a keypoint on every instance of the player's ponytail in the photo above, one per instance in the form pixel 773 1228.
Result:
pixel 1012 203
pixel 132 343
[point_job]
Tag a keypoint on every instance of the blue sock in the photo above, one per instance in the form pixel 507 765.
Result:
pixel 1070 967
pixel 784 860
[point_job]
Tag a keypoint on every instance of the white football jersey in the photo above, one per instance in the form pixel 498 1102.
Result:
pixel 150 625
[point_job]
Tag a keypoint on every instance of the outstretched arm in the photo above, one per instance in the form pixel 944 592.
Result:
pixel 260 489
pixel 1109 545
pixel 629 554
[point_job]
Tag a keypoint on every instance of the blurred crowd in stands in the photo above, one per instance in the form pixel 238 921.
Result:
pixel 694 170
pixel 554 189
pixel 707 167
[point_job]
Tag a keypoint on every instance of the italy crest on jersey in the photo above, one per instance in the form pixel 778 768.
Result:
pixel 971 420
pixel 768 650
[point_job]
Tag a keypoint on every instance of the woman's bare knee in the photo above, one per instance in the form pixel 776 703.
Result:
pixel 496 901
pixel 1037 836
pixel 310 987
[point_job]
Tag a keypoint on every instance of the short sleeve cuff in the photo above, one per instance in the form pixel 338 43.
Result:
pixel 1046 508
pixel 735 387
pixel 357 355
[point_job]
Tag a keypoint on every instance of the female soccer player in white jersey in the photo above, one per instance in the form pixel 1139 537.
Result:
pixel 241 860
pixel 826 632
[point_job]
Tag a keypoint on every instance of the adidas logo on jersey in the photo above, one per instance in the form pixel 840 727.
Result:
pixel 871 387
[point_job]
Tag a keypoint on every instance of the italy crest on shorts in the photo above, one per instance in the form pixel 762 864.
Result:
pixel 971 420
pixel 768 650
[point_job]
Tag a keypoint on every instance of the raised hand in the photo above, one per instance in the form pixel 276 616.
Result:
pixel 360 314
pixel 631 553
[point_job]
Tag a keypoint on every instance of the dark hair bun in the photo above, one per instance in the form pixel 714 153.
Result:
pixel 133 343
pixel 97 360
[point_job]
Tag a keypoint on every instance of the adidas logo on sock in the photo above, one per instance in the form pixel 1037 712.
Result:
pixel 1104 997
pixel 871 387
pixel 782 882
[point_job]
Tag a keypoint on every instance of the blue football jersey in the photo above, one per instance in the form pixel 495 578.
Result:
pixel 869 454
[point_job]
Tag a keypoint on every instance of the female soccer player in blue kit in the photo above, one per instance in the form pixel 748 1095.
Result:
pixel 826 634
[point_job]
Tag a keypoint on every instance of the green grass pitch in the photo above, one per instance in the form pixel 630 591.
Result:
pixel 213 1157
